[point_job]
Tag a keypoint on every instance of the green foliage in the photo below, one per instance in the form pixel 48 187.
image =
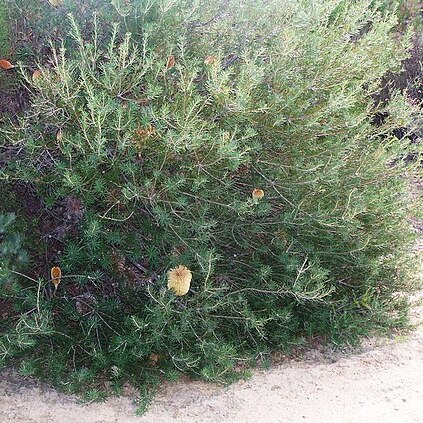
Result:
pixel 12 259
pixel 142 165
pixel 408 10
pixel 37 22
pixel 4 30
pixel 11 251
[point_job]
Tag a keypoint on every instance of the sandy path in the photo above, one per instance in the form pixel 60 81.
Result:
pixel 382 383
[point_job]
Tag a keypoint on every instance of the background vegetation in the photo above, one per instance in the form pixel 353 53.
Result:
pixel 4 33
pixel 142 146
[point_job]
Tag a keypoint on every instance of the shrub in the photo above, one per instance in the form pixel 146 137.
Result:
pixel 237 140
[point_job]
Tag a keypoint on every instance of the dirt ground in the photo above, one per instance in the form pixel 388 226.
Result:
pixel 383 382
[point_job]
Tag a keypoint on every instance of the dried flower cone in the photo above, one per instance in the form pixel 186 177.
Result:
pixel 143 134
pixel 210 60
pixel 37 75
pixel 257 194
pixel 59 135
pixel 171 61
pixel 179 280
pixel 55 3
pixel 5 64
pixel 154 359
pixel 56 274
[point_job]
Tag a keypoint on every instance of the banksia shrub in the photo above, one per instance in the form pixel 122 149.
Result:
pixel 213 187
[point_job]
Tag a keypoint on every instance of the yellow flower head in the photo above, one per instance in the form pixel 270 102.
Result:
pixel 257 194
pixel 179 279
